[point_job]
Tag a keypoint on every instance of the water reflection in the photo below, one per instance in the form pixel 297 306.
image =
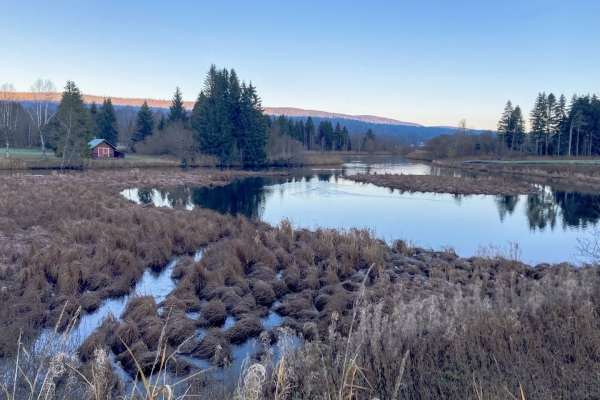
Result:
pixel 546 225
pixel 549 209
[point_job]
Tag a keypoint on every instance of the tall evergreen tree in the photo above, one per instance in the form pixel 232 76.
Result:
pixel 539 121
pixel 177 112
pixel 518 129
pixel 94 118
pixel 551 120
pixel 107 122
pixel 228 119
pixel 144 123
pixel 73 130
pixel 309 127
pixel 346 138
pixel 560 113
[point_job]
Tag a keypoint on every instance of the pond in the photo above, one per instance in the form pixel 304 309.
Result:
pixel 546 226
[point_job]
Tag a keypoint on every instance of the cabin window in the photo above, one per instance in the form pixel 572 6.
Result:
pixel 104 152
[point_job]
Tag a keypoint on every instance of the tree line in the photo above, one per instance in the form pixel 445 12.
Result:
pixel 556 128
pixel 227 122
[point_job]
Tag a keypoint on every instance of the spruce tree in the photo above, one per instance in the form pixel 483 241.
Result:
pixel 560 113
pixel 505 126
pixel 518 127
pixel 107 122
pixel 94 118
pixel 73 126
pixel 228 119
pixel 309 127
pixel 177 112
pixel 539 121
pixel 346 139
pixel 144 124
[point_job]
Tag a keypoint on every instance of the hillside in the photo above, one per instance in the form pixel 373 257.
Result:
pixel 298 112
pixel 27 97
pixel 409 131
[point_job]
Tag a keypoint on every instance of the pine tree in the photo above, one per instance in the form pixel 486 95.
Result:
pixel 107 123
pixel 73 130
pixel 144 124
pixel 177 112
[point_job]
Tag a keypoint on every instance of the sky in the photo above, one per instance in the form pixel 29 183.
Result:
pixel 429 62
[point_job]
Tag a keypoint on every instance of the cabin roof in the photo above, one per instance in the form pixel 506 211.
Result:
pixel 96 142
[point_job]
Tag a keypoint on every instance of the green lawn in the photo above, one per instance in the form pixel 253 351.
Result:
pixel 28 154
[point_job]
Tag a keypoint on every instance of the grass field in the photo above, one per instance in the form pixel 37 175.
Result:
pixel 32 159
pixel 29 154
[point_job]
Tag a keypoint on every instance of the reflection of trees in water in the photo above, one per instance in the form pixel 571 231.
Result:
pixel 506 205
pixel 541 210
pixel 145 196
pixel 242 196
pixel 179 196
pixel 553 206
pixel 578 209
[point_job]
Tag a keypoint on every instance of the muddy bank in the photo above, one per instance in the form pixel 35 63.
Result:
pixel 445 184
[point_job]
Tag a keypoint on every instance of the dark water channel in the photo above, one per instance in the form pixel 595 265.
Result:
pixel 545 226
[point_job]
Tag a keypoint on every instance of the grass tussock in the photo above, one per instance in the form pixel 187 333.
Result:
pixel 378 321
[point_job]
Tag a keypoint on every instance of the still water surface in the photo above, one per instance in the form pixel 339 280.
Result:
pixel 546 226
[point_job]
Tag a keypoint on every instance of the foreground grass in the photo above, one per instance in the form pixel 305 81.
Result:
pixel 378 320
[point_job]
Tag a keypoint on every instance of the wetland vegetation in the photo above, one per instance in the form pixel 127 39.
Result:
pixel 375 318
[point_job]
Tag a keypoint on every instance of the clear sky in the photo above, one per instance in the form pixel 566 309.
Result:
pixel 430 62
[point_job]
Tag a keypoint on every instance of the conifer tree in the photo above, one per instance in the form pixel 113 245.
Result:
pixel 73 130
pixel 539 121
pixel 346 139
pixel 560 113
pixel 228 119
pixel 505 127
pixel 94 118
pixel 107 122
pixel 144 123
pixel 309 127
pixel 177 112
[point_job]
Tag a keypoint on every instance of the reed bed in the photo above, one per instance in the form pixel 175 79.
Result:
pixel 445 184
pixel 377 320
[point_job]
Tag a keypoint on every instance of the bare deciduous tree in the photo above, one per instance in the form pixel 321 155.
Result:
pixel 40 111
pixel 7 97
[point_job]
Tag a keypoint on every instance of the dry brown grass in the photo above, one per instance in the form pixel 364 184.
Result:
pixel 445 184
pixel 488 318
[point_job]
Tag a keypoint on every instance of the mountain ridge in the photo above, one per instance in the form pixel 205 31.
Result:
pixel 273 111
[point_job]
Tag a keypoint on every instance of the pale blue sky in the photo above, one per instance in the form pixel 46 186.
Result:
pixel 430 62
